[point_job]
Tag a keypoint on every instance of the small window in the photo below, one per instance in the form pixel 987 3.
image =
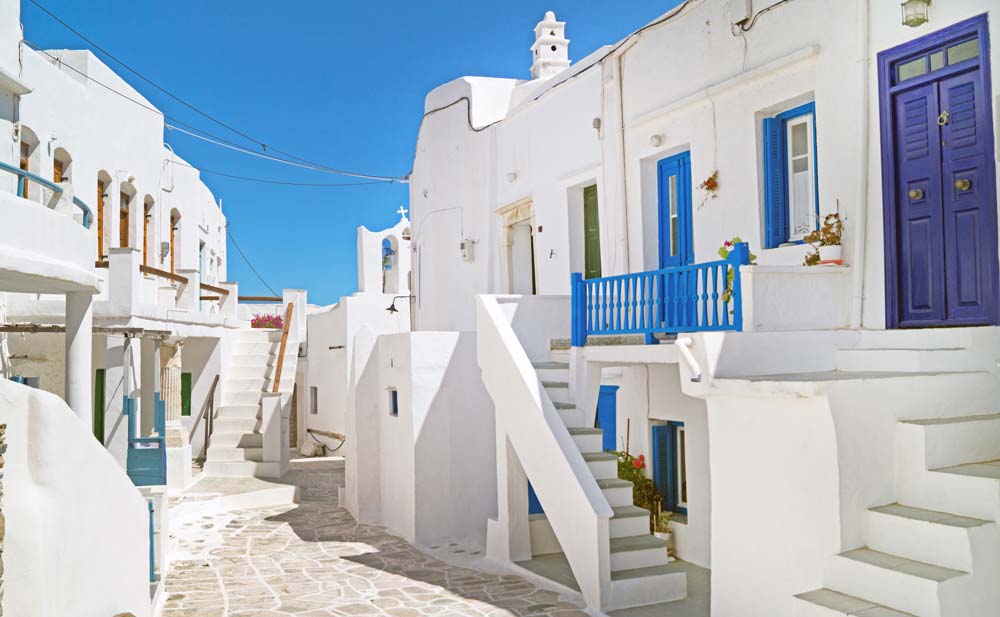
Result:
pixel 790 176
pixel 313 400
pixel 393 403
pixel 670 465
pixel 185 394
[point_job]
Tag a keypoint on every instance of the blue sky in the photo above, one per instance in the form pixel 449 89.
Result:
pixel 341 83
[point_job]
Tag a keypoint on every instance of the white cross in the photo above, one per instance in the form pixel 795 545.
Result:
pixel 402 212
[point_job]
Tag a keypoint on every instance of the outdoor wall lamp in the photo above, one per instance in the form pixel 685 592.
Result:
pixel 392 306
pixel 656 140
pixel 916 12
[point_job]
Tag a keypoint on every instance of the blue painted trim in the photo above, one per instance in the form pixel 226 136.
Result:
pixel 887 60
pixel 152 545
pixel 534 506
pixel 664 436
pixel 23 176
pixel 777 222
pixel 678 165
pixel 578 308
pixel 607 417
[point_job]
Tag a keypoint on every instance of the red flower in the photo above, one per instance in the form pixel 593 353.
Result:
pixel 639 463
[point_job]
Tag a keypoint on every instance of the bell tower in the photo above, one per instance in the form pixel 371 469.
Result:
pixel 550 53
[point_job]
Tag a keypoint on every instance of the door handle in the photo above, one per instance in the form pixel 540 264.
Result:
pixel 916 194
pixel 943 118
pixel 963 184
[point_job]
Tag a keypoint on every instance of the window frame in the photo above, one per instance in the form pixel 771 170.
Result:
pixel 393 402
pixel 778 199
pixel 674 466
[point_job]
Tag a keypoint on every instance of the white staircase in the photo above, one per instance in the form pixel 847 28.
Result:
pixel 936 551
pixel 236 444
pixel 639 571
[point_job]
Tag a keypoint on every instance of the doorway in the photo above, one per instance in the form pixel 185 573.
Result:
pixel 939 185
pixel 519 223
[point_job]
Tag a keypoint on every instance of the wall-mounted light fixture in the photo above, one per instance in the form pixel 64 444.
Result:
pixel 916 12
pixel 656 140
pixel 392 306
pixel 511 176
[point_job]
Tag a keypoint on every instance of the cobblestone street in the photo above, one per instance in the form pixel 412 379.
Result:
pixel 313 559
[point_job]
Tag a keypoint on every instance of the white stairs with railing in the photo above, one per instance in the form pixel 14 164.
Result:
pixel 935 551
pixel 236 444
pixel 640 574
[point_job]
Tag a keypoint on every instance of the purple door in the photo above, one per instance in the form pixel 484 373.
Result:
pixel 938 180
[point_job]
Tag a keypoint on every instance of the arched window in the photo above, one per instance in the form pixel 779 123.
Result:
pixel 175 238
pixel 28 161
pixel 125 196
pixel 390 265
pixel 62 164
pixel 148 228
pixel 103 239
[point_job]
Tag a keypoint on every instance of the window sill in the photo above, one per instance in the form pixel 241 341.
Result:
pixel 679 519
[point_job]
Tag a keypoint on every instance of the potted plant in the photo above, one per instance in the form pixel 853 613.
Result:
pixel 724 250
pixel 826 241
pixel 661 527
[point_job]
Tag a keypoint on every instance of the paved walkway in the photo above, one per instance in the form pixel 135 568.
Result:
pixel 313 559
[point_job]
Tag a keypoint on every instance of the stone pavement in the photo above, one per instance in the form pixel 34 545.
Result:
pixel 313 559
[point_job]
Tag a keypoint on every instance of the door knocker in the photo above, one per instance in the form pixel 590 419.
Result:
pixel 943 118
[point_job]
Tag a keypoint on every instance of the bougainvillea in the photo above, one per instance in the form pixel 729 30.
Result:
pixel 265 320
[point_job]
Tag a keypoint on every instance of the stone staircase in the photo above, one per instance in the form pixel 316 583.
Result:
pixel 935 551
pixel 236 445
pixel 640 574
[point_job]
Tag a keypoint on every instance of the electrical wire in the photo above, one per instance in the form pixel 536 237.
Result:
pixel 261 144
pixel 250 265
pixel 753 20
pixel 278 182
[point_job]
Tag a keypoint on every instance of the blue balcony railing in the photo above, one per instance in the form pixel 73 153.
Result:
pixel 697 298
pixel 24 176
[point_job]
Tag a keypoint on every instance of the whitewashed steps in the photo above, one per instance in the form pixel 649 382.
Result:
pixel 902 584
pixel 634 552
pixel 645 586
pixel 552 371
pixel 240 469
pixel 237 440
pixel 906 360
pixel 558 391
pixel 238 411
pixel 617 492
pixel 956 441
pixel 235 453
pixel 922 535
pixel 587 439
pixel 602 464
pixel 828 603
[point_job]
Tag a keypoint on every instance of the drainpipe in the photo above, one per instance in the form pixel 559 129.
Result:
pixel 861 216
pixel 683 345
pixel 620 65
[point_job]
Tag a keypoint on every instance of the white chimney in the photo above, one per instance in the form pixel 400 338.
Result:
pixel 550 53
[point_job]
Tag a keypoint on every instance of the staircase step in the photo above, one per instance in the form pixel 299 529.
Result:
pixel 922 535
pixel 890 580
pixel 224 453
pixel 647 586
pixel 241 398
pixel 237 411
pixel 959 440
pixel 618 492
pixel 233 425
pixel 558 391
pixel 241 469
pixel 906 360
pixel 831 603
pixel 587 439
pixel 552 371
pixel 248 335
pixel 602 464
pixel 629 521
pixel 236 440
pixel 635 552
pixel 255 347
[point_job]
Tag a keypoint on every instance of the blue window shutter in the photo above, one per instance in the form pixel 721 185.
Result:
pixel 775 184
pixel 662 459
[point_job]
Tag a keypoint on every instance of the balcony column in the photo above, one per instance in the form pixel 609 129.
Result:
pixel 178 445
pixel 79 346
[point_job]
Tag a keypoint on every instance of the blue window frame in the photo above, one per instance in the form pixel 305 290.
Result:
pixel 674 197
pixel 670 465
pixel 393 402
pixel 791 178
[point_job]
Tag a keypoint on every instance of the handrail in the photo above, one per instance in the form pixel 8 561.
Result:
pixel 177 278
pixel 696 298
pixel 259 299
pixel 222 291
pixel 23 176
pixel 286 326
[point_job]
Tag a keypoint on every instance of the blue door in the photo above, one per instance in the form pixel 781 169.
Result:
pixel 938 180
pixel 607 417
pixel 674 181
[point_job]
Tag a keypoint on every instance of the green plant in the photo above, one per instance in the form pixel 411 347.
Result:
pixel 724 250
pixel 829 234
pixel 644 493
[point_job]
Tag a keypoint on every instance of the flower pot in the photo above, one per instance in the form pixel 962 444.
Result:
pixel 665 535
pixel 829 253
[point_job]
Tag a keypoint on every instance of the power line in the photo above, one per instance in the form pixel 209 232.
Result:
pixel 250 265
pixel 311 164
pixel 279 182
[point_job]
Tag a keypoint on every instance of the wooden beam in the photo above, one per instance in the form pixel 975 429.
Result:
pixel 210 298
pixel 164 274
pixel 284 343
pixel 222 291
pixel 260 299
pixel 32 328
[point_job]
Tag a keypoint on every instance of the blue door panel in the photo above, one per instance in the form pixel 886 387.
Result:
pixel 607 417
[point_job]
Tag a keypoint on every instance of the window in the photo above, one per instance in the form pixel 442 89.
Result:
pixel 313 400
pixel 670 465
pixel 927 62
pixel 123 218
pixel 99 405
pixel 185 394
pixel 393 403
pixel 791 199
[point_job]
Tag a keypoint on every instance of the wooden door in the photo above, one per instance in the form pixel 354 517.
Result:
pixel 123 220
pixel 24 162
pixel 173 244
pixel 57 171
pixel 100 220
pixel 146 215
pixel 591 234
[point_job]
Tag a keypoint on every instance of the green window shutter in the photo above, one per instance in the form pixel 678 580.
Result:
pixel 185 394
pixel 591 234
pixel 99 405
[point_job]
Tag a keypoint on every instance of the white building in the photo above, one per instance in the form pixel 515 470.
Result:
pixel 822 454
